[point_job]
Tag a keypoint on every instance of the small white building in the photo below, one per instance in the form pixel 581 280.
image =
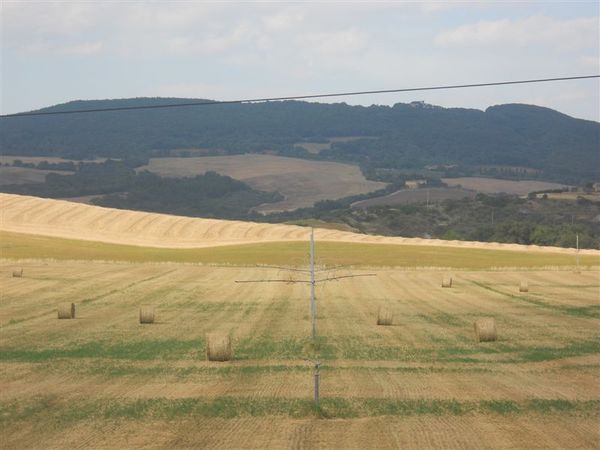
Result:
pixel 415 184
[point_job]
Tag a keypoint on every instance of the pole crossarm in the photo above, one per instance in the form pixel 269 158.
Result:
pixel 272 281
pixel 294 269
pixel 291 269
pixel 313 281
pixel 346 276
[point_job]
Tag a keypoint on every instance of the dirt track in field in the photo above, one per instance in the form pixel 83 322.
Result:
pixel 32 215
pixel 429 354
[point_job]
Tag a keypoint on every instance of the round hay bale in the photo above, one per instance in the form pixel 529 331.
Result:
pixel 485 329
pixel 524 286
pixel 218 347
pixel 147 314
pixel 447 282
pixel 18 273
pixel 385 316
pixel 66 311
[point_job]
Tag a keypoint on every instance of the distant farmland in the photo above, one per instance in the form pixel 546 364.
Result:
pixel 317 147
pixel 416 196
pixel 24 175
pixel 301 182
pixel 494 185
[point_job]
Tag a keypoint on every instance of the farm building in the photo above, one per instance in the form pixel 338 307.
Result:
pixel 415 184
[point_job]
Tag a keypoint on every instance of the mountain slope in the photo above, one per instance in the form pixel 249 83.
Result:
pixel 406 135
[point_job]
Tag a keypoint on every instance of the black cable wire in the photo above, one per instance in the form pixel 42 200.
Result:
pixel 296 97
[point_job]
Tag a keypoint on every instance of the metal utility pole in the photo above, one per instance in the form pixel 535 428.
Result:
pixel 313 303
pixel 316 378
pixel 312 281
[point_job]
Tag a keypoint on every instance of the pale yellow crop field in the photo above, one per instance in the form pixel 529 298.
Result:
pixel 103 380
pixel 63 219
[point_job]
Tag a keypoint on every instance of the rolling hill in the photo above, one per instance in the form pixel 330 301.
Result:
pixel 63 219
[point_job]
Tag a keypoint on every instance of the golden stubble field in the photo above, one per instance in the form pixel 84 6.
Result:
pixel 103 380
pixel 63 219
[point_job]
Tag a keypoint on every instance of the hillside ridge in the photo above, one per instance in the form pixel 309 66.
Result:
pixel 405 136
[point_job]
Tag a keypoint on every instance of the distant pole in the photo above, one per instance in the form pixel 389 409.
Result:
pixel 427 197
pixel 313 305
pixel 577 245
pixel 492 217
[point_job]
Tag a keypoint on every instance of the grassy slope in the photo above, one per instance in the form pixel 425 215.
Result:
pixel 16 245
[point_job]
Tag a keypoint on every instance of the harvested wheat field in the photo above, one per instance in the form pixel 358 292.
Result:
pixel 103 380
pixel 59 218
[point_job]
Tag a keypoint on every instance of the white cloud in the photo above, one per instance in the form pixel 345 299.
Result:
pixel 86 48
pixel 336 42
pixel 282 21
pixel 564 34
pixel 237 49
pixel 590 62
pixel 214 43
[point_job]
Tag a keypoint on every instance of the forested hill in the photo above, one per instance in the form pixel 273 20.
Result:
pixel 403 136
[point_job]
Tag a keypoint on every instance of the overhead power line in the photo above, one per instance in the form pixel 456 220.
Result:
pixel 296 97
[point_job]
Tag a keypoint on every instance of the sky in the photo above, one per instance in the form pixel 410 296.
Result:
pixel 54 52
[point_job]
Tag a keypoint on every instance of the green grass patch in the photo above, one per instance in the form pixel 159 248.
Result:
pixel 442 319
pixel 44 408
pixel 168 349
pixel 16 245
pixel 326 349
pixel 503 407
pixel 589 312
pixel 568 351
pixel 284 348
